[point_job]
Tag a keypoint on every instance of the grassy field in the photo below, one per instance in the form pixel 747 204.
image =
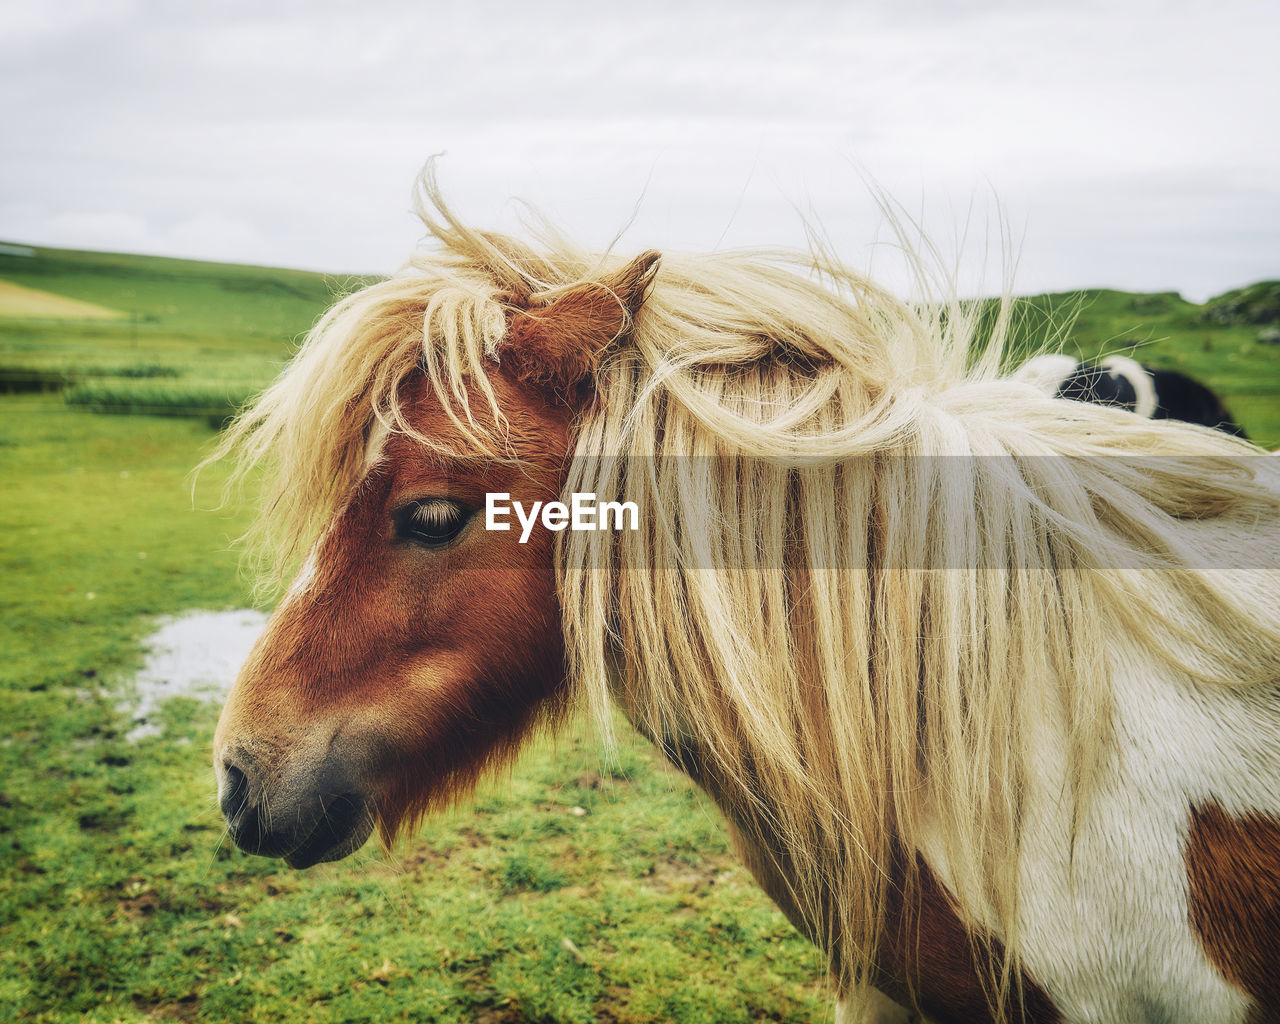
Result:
pixel 122 902
pixel 190 337
pixel 586 887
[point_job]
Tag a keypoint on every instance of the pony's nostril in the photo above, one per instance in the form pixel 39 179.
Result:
pixel 240 812
pixel 235 793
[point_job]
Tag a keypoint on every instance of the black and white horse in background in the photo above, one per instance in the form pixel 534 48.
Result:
pixel 1119 380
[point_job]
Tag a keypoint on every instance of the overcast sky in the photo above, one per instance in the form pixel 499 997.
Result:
pixel 1129 144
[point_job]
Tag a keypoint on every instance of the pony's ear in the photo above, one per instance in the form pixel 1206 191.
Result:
pixel 558 345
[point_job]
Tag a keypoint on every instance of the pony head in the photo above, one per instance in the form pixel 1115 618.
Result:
pixel 414 647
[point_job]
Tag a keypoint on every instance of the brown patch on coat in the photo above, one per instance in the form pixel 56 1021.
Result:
pixel 930 951
pixel 927 959
pixel 1233 866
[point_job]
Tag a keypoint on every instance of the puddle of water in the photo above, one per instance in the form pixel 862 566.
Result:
pixel 193 655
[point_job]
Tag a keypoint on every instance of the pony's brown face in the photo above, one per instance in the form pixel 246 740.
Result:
pixel 416 646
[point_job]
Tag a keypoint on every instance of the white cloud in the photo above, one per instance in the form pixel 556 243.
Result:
pixel 294 130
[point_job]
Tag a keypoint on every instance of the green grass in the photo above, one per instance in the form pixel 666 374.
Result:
pixel 204 322
pixel 214 401
pixel 121 900
pixel 189 298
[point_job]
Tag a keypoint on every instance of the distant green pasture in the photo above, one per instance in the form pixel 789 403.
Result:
pixel 194 338
pixel 1240 362
pixel 200 339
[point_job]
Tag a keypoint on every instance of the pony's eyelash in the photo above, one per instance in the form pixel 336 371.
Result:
pixel 435 514
pixel 432 521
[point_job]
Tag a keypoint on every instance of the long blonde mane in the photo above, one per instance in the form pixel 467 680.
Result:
pixel 852 645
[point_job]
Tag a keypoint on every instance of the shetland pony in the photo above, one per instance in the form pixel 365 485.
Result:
pixel 1124 382
pixel 985 688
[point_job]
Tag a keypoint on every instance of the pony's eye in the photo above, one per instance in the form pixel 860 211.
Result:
pixel 433 522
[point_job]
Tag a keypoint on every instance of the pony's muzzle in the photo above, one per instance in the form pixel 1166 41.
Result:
pixel 324 820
